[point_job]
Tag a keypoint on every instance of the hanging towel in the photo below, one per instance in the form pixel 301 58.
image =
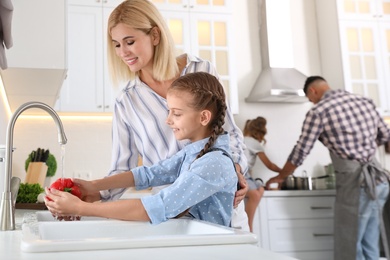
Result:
pixel 6 9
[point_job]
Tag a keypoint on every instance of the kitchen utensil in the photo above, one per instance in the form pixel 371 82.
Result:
pixel 15 183
pixel 2 168
pixel 308 183
pixel 290 183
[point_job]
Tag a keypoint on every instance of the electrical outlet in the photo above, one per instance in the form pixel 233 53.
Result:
pixel 85 175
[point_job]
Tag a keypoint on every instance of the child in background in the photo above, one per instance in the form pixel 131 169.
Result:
pixel 202 174
pixel 254 132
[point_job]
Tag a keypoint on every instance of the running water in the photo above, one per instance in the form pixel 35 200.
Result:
pixel 62 162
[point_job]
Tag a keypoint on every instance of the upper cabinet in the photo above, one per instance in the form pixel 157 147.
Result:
pixel 206 6
pixel 364 27
pixel 363 9
pixel 87 87
pixel 204 28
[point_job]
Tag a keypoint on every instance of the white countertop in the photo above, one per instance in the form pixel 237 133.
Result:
pixel 10 249
pixel 298 193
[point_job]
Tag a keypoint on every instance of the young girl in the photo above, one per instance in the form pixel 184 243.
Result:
pixel 202 174
pixel 254 132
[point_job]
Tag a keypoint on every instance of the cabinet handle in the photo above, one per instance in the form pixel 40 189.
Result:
pixel 107 106
pixel 184 6
pixel 322 235
pixel 105 1
pixel 97 1
pixel 314 208
pixel 99 106
pixel 191 6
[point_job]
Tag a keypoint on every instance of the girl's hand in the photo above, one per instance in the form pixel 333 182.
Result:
pixel 62 205
pixel 88 191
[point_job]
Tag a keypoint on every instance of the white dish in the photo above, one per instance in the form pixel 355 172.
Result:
pixel 49 236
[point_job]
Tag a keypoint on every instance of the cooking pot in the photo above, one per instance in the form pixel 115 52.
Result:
pixel 303 183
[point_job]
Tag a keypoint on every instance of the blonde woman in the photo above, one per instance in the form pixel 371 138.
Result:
pixel 141 53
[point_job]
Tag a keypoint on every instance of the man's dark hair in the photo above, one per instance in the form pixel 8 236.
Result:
pixel 310 80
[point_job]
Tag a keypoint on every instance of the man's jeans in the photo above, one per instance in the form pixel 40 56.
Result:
pixel 369 223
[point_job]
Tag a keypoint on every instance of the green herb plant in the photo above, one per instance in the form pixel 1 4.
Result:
pixel 28 193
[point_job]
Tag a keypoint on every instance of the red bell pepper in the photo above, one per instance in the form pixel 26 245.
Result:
pixel 66 184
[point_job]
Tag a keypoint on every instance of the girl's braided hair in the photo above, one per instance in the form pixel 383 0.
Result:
pixel 207 93
pixel 256 128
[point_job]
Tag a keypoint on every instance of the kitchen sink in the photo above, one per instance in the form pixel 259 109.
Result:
pixel 47 235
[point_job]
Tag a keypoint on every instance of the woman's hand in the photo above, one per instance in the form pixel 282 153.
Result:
pixel 241 193
pixel 88 190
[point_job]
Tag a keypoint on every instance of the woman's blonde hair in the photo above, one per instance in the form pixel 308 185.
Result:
pixel 256 128
pixel 207 93
pixel 141 15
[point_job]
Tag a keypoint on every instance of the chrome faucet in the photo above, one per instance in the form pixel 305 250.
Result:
pixel 7 209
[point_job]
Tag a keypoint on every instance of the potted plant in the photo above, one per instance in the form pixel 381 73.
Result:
pixel 39 165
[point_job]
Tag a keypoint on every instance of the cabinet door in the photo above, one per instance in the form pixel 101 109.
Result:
pixel 207 6
pixel 178 24
pixel 83 89
pixel 212 40
pixel 363 9
pixel 109 91
pixel 301 235
pixel 362 57
pixel 85 2
pixel 300 207
pixel 111 3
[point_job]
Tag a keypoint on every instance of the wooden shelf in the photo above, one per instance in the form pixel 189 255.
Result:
pixel 37 206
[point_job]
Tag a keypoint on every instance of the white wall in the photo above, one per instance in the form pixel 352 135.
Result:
pixel 4 116
pixel 89 141
pixel 88 148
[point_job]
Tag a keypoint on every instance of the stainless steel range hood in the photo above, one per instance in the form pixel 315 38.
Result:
pixel 278 81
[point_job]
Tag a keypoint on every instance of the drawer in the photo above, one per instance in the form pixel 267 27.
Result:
pixel 300 207
pixel 301 235
pixel 317 255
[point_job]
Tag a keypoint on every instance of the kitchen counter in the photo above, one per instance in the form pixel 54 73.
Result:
pixel 10 249
pixel 298 193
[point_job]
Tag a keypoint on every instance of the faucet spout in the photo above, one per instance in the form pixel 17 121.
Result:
pixel 7 208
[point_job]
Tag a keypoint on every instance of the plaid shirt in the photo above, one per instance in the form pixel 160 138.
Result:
pixel 347 124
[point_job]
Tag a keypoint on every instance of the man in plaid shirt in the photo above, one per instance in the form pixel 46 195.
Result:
pixel 352 129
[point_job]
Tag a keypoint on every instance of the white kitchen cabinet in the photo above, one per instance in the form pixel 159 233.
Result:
pixel 297 223
pixel 87 87
pixel 204 28
pixel 364 28
pixel 204 6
